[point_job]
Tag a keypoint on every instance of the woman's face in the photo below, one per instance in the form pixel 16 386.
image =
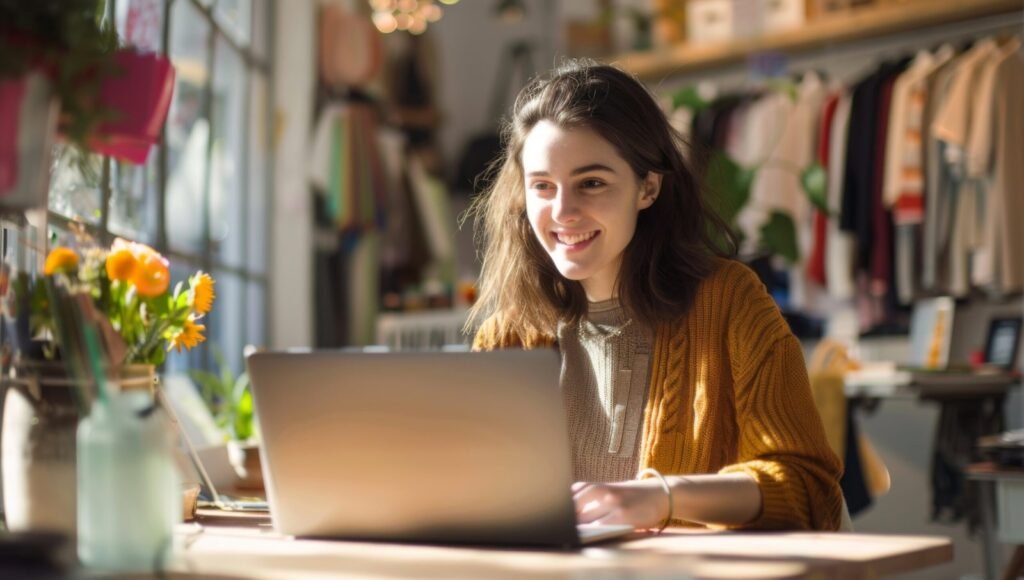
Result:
pixel 582 199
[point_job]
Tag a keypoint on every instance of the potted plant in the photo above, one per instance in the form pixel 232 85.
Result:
pixel 124 293
pixel 111 100
pixel 229 399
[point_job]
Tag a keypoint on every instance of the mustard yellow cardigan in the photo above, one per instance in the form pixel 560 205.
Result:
pixel 729 393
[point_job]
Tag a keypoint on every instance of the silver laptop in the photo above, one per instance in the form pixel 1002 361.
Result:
pixel 427 447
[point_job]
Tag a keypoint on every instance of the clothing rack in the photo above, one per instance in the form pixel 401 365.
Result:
pixel 741 101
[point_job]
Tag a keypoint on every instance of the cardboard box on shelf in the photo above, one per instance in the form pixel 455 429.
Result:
pixel 710 21
pixel 780 15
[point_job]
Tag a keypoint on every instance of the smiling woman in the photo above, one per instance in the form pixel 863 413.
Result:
pixel 582 195
pixel 676 362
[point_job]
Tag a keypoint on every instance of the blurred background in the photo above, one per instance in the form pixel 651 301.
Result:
pixel 317 155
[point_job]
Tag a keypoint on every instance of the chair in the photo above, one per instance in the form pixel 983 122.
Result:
pixel 827 368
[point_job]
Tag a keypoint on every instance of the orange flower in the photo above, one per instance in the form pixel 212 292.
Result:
pixel 149 272
pixel 191 334
pixel 151 276
pixel 61 259
pixel 202 292
pixel 121 264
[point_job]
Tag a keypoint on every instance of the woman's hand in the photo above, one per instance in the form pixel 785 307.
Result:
pixel 641 504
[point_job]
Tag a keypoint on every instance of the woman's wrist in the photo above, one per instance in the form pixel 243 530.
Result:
pixel 715 499
pixel 666 487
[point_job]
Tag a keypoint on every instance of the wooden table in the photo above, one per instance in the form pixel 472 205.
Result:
pixel 249 548
pixel 918 385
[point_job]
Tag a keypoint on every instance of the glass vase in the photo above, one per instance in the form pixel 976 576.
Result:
pixel 129 487
pixel 38 456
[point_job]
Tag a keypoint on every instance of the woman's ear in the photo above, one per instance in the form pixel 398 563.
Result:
pixel 650 187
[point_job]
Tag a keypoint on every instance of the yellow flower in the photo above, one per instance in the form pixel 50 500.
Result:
pixel 191 334
pixel 121 264
pixel 150 276
pixel 61 259
pixel 202 292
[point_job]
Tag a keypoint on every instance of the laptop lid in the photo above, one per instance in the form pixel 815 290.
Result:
pixel 433 447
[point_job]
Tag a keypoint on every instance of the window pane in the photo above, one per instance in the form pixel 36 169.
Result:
pixel 256 317
pixel 75 194
pixel 224 324
pixel 187 129
pixel 228 156
pixel 133 199
pixel 258 184
pixel 236 18
pixel 15 253
pixel 140 23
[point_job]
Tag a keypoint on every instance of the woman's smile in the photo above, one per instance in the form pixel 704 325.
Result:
pixel 574 241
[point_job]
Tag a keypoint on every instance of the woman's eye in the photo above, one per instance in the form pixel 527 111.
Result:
pixel 591 183
pixel 540 186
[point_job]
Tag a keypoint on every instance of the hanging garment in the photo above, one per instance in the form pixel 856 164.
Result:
pixel 905 161
pixel 839 244
pixel 862 212
pixel 952 126
pixel 905 171
pixel 881 247
pixel 859 174
pixel 816 260
pixel 785 145
pixel 939 194
pixel 953 119
pixel 764 126
pixel 803 133
pixel 992 143
pixel 345 167
pixel 1006 199
pixel 896 132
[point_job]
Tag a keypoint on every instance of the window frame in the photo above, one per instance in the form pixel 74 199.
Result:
pixel 255 67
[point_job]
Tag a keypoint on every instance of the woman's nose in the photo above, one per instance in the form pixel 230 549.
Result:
pixel 565 207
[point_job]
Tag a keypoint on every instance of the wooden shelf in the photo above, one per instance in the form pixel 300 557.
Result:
pixel 858 24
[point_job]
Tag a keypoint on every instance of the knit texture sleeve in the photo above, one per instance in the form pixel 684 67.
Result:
pixel 782 442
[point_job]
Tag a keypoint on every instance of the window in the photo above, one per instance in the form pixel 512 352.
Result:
pixel 201 199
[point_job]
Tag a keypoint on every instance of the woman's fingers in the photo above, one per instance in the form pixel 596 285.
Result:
pixel 591 512
pixel 635 503
pixel 587 493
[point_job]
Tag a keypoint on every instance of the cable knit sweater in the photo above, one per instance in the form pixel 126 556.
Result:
pixel 729 393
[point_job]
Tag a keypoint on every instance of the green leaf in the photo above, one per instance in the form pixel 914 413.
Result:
pixel 778 236
pixel 814 180
pixel 240 387
pixel 160 306
pixel 688 97
pixel 209 386
pixel 244 416
pixel 784 86
pixel 729 185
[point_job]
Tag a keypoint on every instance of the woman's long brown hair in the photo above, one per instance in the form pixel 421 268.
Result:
pixel 676 240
